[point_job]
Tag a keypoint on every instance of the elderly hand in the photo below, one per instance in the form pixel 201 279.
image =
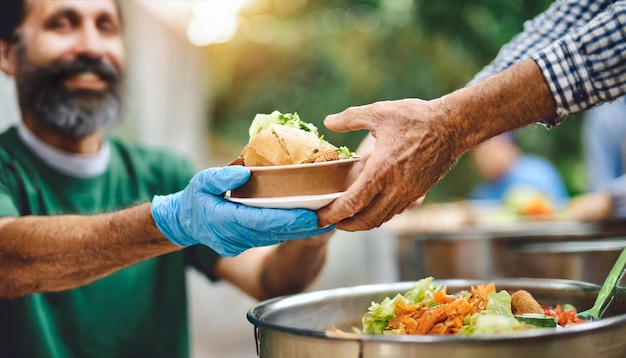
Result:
pixel 200 214
pixel 412 151
pixel 418 141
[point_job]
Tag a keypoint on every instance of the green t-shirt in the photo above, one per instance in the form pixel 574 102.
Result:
pixel 140 311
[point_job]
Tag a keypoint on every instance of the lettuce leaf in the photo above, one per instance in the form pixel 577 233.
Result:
pixel 422 292
pixel 344 152
pixel 496 318
pixel 262 121
pixel 378 314
pixel 500 303
pixel 490 322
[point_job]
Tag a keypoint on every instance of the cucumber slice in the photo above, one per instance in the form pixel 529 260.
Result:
pixel 537 320
pixel 568 307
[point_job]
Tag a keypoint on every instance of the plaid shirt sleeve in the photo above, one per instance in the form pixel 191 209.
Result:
pixel 580 46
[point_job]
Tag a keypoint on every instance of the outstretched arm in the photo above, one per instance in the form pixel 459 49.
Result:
pixel 287 268
pixel 418 141
pixel 41 254
pixel 54 253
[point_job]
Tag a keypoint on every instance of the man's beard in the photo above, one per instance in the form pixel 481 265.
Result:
pixel 43 94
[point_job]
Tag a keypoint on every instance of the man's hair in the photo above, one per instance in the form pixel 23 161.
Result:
pixel 12 13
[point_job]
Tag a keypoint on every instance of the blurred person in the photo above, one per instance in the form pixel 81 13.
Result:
pixel 604 143
pixel 506 169
pixel 567 59
pixel 607 203
pixel 93 247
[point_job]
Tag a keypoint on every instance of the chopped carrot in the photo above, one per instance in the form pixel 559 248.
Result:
pixel 445 318
pixel 442 297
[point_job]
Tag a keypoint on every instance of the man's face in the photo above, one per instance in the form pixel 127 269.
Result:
pixel 69 65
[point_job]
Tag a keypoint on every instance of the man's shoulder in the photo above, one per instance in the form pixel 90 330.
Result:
pixel 9 143
pixel 8 135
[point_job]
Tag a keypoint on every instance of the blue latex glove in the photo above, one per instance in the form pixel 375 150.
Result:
pixel 199 214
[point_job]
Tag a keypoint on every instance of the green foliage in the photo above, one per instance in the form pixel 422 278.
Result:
pixel 319 57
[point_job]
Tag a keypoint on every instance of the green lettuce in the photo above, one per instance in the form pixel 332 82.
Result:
pixel 489 322
pixel 496 318
pixel 344 152
pixel 378 315
pixel 262 121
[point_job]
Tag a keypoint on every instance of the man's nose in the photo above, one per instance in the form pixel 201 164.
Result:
pixel 90 42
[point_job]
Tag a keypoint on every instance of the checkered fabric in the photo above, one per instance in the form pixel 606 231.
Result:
pixel 580 46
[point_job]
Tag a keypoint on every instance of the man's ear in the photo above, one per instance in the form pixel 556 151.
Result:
pixel 7 58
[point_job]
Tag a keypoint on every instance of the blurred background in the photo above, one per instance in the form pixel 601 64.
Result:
pixel 198 72
pixel 319 57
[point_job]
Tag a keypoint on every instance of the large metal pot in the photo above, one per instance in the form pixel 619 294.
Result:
pixel 564 250
pixel 298 325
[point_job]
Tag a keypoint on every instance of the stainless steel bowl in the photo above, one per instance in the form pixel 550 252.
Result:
pixel 561 250
pixel 298 325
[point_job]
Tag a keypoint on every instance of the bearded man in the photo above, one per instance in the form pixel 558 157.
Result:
pixel 96 233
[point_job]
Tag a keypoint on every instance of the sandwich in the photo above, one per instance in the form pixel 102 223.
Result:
pixel 284 139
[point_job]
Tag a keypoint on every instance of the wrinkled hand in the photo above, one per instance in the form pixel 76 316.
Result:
pixel 199 214
pixel 417 141
pixel 412 151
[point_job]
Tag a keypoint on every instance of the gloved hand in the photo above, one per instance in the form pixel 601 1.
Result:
pixel 200 214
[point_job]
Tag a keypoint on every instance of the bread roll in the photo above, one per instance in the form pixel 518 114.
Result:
pixel 522 302
pixel 263 149
pixel 282 145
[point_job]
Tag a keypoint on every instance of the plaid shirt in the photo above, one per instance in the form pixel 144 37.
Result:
pixel 580 46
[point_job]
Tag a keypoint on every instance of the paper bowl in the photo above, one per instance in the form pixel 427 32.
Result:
pixel 298 179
